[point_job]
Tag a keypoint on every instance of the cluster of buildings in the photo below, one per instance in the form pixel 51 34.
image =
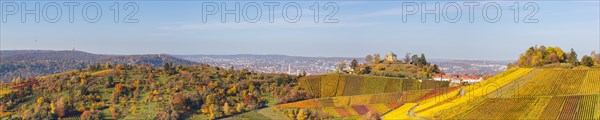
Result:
pixel 292 65
pixel 456 79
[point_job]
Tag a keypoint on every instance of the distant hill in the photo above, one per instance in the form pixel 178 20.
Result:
pixel 29 63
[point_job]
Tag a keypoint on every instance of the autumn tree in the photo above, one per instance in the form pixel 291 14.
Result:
pixel 113 111
pixel 539 56
pixel 132 109
pixel 556 51
pixel 536 59
pixel 40 100
pixel 227 110
pixel 302 114
pixel 239 107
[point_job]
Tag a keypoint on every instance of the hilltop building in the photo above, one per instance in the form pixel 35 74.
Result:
pixel 391 57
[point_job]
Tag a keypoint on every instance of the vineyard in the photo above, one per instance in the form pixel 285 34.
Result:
pixel 523 93
pixel 563 107
pixel 554 82
pixel 348 106
pixel 332 85
pixel 345 95
pixel 431 107
pixel 343 101
pixel 356 110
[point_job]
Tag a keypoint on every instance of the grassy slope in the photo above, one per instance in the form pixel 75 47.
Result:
pixel 394 69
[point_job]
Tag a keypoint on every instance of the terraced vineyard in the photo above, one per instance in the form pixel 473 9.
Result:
pixel 563 107
pixel 523 93
pixel 347 96
pixel 332 85
pixel 347 101
pixel 348 106
pixel 555 82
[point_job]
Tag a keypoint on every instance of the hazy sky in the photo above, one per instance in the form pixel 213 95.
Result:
pixel 177 27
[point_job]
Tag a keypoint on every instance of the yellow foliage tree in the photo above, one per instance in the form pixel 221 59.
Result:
pixel 212 111
pixel 133 109
pixel 155 92
pixel 81 108
pixel 227 109
pixel 113 111
pixel 52 108
pixel 232 90
pixel 24 106
pixel 40 100
pixel 291 114
pixel 239 107
pixel 302 114
pixel 82 76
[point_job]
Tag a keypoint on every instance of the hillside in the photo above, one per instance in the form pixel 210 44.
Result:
pixel 519 93
pixel 119 91
pixel 355 96
pixel 30 63
pixel 333 85
pixel 545 83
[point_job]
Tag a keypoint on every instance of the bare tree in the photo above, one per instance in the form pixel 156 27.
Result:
pixel 377 59
pixel 407 58
pixel 369 59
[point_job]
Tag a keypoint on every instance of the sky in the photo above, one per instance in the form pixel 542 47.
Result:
pixel 343 29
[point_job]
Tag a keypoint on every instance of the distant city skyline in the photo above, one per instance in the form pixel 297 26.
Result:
pixel 364 27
